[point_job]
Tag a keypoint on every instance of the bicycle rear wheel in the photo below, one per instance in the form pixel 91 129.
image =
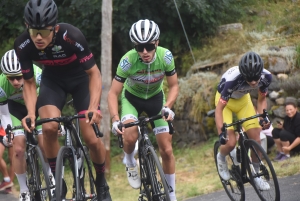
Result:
pixel 65 178
pixel 266 172
pixel 234 187
pixel 154 185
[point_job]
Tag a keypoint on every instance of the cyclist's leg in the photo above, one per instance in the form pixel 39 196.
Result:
pixel 160 127
pixel 11 164
pixel 19 147
pixel 227 118
pixel 6 183
pixel 79 88
pixel 129 114
pixel 51 99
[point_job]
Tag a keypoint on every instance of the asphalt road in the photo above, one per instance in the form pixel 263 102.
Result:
pixel 289 191
pixel 7 197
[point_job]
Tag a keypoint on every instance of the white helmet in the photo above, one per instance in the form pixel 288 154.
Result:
pixel 144 31
pixel 10 64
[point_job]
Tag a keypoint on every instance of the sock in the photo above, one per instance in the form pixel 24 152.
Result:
pixel 171 181
pixel 130 160
pixel 100 177
pixel 48 168
pixel 52 164
pixel 6 179
pixel 22 182
pixel 288 155
pixel 256 167
pixel 221 157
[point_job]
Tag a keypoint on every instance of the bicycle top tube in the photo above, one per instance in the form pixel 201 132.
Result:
pixel 240 121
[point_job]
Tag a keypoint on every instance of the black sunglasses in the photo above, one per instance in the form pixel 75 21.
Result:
pixel 250 79
pixel 43 32
pixel 148 46
pixel 15 77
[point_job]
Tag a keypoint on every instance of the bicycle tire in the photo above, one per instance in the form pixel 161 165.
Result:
pixel 266 172
pixel 45 188
pixel 86 177
pixel 65 165
pixel 234 187
pixel 157 187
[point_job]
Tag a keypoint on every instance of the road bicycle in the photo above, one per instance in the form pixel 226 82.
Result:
pixel 154 186
pixel 37 178
pixel 72 159
pixel 240 165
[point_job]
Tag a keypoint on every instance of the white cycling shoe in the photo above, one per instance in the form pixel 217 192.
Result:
pixel 24 196
pixel 261 184
pixel 223 169
pixel 133 177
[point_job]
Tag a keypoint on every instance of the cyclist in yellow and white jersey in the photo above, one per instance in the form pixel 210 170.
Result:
pixel 233 96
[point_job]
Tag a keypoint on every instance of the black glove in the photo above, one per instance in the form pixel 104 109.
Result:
pixel 222 138
pixel 264 123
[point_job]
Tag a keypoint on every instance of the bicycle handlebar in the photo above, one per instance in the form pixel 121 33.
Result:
pixel 240 121
pixel 63 119
pixel 143 120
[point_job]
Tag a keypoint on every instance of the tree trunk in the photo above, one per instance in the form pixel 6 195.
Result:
pixel 106 55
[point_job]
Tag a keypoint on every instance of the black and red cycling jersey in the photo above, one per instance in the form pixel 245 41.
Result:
pixel 68 55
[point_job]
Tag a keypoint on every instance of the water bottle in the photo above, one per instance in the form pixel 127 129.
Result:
pixel 234 156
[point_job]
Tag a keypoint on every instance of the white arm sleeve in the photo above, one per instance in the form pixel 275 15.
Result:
pixel 5 116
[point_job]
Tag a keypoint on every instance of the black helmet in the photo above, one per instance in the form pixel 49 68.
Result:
pixel 251 66
pixel 40 13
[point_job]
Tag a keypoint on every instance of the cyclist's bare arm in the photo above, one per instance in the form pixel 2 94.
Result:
pixel 173 90
pixel 114 92
pixel 219 115
pixel 261 102
pixel 95 87
pixel 30 98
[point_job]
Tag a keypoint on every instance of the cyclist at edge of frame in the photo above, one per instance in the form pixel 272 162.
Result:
pixel 139 80
pixel 69 68
pixel 233 96
pixel 11 97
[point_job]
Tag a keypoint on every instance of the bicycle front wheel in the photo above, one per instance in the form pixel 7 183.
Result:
pixel 65 177
pixel 264 180
pixel 154 185
pixel 43 176
pixel 234 187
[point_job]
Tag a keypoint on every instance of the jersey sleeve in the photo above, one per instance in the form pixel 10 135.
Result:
pixel 123 69
pixel 22 52
pixel 75 38
pixel 266 81
pixel 169 63
pixel 225 88
pixel 3 88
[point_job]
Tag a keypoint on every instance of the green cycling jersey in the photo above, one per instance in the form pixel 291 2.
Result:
pixel 145 80
pixel 8 92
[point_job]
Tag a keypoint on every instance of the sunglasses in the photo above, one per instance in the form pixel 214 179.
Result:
pixel 148 46
pixel 15 77
pixel 43 32
pixel 256 78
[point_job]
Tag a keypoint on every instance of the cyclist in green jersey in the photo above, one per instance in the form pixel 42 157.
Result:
pixel 139 79
pixel 11 96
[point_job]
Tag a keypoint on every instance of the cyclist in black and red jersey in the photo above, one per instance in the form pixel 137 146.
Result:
pixel 69 68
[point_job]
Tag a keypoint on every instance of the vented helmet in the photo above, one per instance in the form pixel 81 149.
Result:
pixel 144 31
pixel 10 65
pixel 251 66
pixel 40 13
